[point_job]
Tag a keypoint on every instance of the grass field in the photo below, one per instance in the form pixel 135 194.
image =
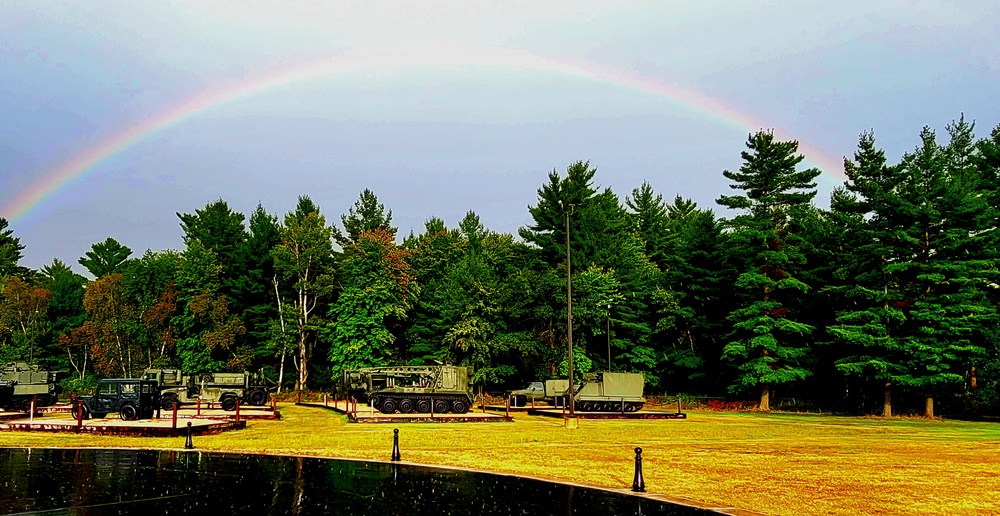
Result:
pixel 770 463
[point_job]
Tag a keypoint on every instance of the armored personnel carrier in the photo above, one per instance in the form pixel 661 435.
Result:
pixel 407 389
pixel 225 388
pixel 607 392
pixel 26 382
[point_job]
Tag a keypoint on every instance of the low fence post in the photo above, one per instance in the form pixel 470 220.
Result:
pixel 395 445
pixel 31 417
pixel 325 402
pixel 678 404
pixel 188 444
pixel 638 484
pixel 506 409
pixel 237 411
pixel 174 423
pixel 79 413
pixel 198 413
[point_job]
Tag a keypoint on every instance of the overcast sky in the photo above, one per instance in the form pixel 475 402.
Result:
pixel 445 107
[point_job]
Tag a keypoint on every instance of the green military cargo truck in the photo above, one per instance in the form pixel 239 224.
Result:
pixel 223 388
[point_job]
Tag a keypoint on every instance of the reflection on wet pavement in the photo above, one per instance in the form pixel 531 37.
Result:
pixel 94 481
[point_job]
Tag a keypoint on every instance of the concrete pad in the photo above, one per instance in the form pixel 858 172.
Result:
pixel 163 427
pixel 362 413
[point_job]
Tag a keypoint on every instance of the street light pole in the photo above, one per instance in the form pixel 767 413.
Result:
pixel 569 315
pixel 609 338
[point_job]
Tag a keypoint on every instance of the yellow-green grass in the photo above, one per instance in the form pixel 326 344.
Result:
pixel 770 463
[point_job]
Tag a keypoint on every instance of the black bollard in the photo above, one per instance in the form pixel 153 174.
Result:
pixel 395 444
pixel 638 484
pixel 190 445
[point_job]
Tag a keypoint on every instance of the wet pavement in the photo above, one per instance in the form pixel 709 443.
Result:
pixel 95 481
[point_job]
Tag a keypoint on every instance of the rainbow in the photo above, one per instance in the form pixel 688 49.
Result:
pixel 382 60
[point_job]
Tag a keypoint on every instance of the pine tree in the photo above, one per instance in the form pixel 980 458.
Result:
pixel 768 342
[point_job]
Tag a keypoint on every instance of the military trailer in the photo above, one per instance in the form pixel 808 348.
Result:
pixel 27 382
pixel 606 392
pixel 130 398
pixel 407 389
pixel 225 388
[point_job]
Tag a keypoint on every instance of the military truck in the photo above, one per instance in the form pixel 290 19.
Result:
pixel 131 398
pixel 226 388
pixel 551 391
pixel 407 389
pixel 606 392
pixel 27 382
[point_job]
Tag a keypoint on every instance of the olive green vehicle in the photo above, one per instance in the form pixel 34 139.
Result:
pixel 130 398
pixel 408 389
pixel 551 391
pixel 607 392
pixel 26 382
pixel 224 388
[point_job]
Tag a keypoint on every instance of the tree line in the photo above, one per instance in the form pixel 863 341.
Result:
pixel 887 299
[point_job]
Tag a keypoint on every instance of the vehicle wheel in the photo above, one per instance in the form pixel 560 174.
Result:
pixel 258 397
pixel 608 407
pixel 441 406
pixel 388 406
pixel 76 412
pixel 128 413
pixel 406 406
pixel 459 407
pixel 229 403
pixel 167 402
pixel 423 406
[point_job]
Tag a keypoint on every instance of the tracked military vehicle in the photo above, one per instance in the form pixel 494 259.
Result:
pixel 26 382
pixel 407 389
pixel 225 388
pixel 606 392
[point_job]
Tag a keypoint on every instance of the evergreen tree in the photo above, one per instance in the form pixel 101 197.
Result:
pixel 104 258
pixel 10 251
pixel 366 215
pixel 65 310
pixel 432 256
pixel 768 343
pixel 220 229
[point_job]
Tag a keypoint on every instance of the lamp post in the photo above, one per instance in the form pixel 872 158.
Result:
pixel 569 315
pixel 609 337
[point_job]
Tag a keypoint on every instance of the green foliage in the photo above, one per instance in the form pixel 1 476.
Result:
pixel 104 258
pixel 896 284
pixel 10 251
pixel 767 345
pixel 365 216
pixel 376 295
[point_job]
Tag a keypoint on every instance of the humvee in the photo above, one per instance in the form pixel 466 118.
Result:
pixel 130 398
